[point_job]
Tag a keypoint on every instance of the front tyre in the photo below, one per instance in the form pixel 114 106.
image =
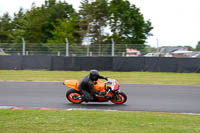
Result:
pixel 121 98
pixel 74 96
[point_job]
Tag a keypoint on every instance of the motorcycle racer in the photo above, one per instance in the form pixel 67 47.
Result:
pixel 86 85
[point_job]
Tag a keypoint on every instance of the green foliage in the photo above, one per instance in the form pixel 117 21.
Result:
pixel 198 46
pixel 20 26
pixel 5 28
pixel 128 25
pixel 189 48
pixel 65 28
pixel 54 21
pixel 150 49
pixel 35 25
pixel 41 20
pixel 93 17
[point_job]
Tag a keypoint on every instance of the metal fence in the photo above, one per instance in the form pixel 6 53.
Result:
pixel 63 49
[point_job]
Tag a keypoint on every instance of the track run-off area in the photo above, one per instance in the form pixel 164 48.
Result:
pixel 141 97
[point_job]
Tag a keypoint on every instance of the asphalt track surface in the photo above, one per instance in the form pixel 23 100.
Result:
pixel 141 97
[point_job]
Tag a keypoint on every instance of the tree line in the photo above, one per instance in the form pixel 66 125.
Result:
pixel 48 25
pixel 96 23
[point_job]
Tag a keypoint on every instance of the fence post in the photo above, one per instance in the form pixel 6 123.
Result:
pixel 67 47
pixel 113 47
pixel 58 53
pixel 90 54
pixel 23 47
pixel 157 46
pixel 88 50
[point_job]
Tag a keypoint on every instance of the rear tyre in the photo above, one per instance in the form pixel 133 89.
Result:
pixel 121 98
pixel 74 96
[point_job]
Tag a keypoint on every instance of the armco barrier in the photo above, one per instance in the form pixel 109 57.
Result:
pixel 151 64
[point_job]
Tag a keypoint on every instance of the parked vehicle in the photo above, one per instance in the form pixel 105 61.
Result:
pixel 109 91
pixel 180 53
pixel 196 54
pixel 152 55
pixel 132 52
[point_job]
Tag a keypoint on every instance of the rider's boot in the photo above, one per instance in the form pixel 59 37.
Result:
pixel 85 99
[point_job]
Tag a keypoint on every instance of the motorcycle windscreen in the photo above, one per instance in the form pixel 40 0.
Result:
pixel 115 85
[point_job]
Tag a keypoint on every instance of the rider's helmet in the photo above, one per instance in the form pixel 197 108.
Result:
pixel 94 75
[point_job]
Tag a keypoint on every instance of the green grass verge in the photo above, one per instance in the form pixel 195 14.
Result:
pixel 122 77
pixel 43 121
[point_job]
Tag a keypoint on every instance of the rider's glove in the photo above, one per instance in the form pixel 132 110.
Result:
pixel 106 78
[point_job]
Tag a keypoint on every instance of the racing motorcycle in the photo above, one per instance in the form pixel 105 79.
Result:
pixel 108 91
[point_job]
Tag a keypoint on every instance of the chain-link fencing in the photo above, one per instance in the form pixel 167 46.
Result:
pixel 65 49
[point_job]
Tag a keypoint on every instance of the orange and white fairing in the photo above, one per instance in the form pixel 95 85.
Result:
pixel 99 85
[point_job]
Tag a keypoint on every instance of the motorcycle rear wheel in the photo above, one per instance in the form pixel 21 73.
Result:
pixel 122 98
pixel 72 94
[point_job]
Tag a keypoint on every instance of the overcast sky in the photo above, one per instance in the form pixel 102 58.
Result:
pixel 175 22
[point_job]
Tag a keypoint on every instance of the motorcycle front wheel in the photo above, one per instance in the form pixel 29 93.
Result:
pixel 121 98
pixel 74 96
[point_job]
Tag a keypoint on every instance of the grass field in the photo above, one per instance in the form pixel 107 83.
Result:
pixel 42 121
pixel 122 77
